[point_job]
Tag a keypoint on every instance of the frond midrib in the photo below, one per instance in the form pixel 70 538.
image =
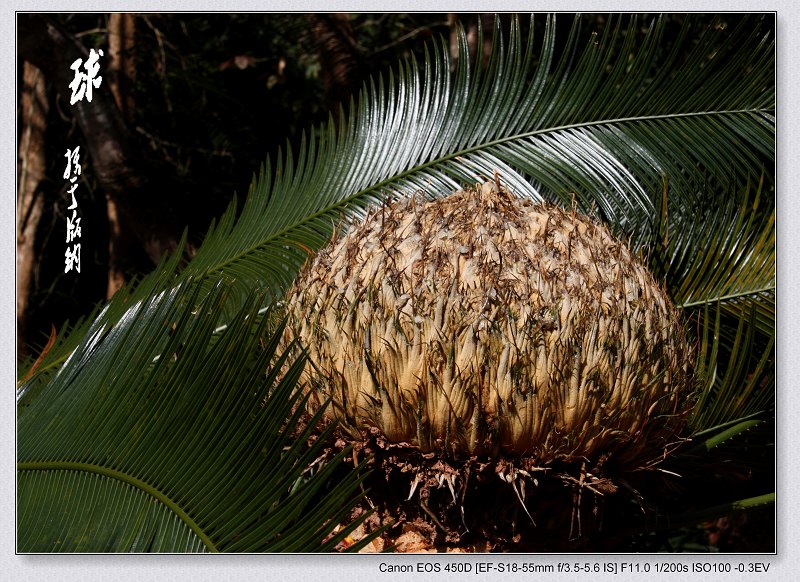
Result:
pixel 729 297
pixel 127 479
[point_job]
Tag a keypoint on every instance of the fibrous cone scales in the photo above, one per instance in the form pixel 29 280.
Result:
pixel 484 324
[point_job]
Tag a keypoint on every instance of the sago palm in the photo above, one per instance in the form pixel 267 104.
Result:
pixel 175 418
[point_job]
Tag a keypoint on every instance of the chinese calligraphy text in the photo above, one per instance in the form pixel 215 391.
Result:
pixel 83 82
pixel 72 256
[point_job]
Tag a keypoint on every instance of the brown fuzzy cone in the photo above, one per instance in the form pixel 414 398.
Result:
pixel 482 324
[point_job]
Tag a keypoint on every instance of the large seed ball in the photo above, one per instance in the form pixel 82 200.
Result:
pixel 480 323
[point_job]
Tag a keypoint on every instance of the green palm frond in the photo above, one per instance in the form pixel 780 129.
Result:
pixel 739 377
pixel 157 435
pixel 605 131
pixel 662 143
pixel 720 250
pixel 71 338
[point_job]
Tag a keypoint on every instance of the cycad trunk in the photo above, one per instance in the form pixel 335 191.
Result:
pixel 480 336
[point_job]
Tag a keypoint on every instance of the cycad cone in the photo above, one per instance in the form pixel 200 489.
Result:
pixel 482 324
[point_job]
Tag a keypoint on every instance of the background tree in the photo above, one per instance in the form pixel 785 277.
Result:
pixel 121 81
pixel 31 172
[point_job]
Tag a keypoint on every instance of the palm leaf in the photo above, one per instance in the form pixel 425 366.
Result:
pixel 157 435
pixel 739 378
pixel 719 250
pixel 70 338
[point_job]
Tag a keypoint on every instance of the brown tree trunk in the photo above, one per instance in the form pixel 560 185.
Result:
pixel 338 54
pixel 470 24
pixel 122 62
pixel 31 171
pixel 121 77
